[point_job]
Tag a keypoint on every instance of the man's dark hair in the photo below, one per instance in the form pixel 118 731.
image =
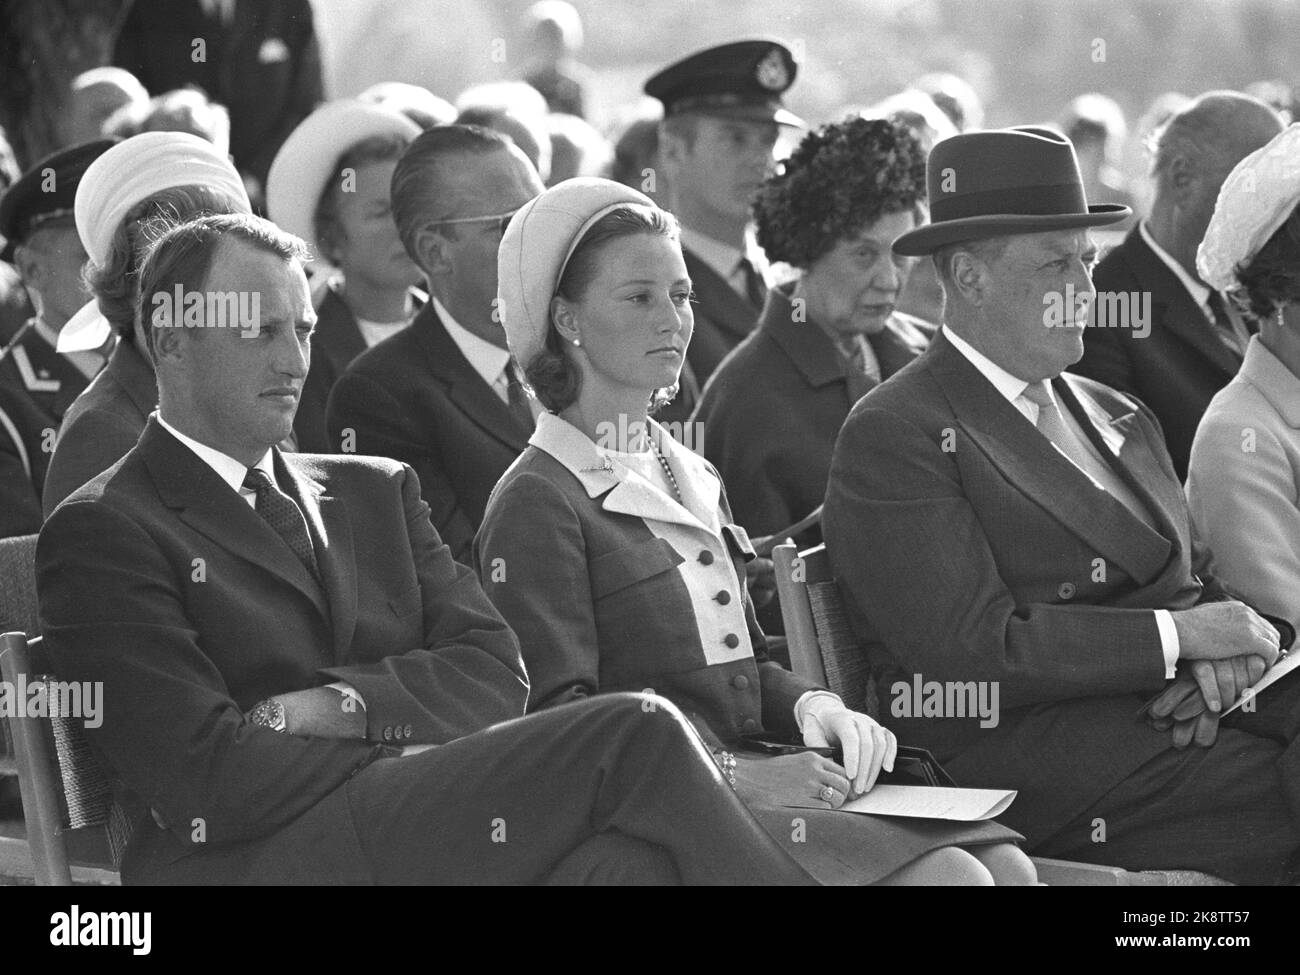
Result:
pixel 415 187
pixel 183 255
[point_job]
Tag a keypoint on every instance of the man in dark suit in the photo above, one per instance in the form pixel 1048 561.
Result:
pixel 442 395
pixel 278 635
pixel 259 59
pixel 1194 341
pixel 722 116
pixel 38 383
pixel 1001 528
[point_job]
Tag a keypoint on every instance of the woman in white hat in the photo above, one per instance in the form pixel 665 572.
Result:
pixel 329 185
pixel 611 551
pixel 1243 481
pixel 171 175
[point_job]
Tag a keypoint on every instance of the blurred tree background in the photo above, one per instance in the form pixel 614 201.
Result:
pixel 1026 58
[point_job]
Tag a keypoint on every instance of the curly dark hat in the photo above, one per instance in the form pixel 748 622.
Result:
pixel 841 178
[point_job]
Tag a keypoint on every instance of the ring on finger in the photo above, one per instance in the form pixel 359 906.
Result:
pixel 827 794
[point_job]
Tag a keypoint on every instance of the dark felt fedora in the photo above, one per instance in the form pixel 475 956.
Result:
pixel 1003 181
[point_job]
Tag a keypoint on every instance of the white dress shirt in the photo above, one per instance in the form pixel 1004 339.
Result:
pixel 1011 387
pixel 488 360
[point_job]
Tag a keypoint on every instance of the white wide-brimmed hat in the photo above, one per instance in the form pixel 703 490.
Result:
pixel 536 249
pixel 122 178
pixel 1256 198
pixel 310 155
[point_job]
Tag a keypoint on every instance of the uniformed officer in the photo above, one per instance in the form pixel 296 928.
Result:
pixel 722 118
pixel 37 384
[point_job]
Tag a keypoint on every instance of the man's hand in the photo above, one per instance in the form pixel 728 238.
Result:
pixel 1193 702
pixel 760 578
pixel 867 746
pixel 322 712
pixel 1217 631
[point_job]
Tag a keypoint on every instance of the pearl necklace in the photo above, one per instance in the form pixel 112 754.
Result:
pixel 663 462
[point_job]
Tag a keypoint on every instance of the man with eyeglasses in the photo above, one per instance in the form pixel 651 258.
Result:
pixel 442 395
pixel 37 383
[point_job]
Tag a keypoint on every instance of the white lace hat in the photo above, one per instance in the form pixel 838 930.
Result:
pixel 1257 197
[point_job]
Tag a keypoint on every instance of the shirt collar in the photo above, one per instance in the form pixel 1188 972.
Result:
pixel 488 360
pixel 227 468
pixel 1197 289
pixel 1007 385
pixel 722 258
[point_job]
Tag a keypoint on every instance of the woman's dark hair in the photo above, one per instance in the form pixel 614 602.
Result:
pixel 841 178
pixel 114 282
pixel 1272 277
pixel 552 375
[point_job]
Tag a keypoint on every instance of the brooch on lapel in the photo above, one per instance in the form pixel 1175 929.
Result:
pixel 607 467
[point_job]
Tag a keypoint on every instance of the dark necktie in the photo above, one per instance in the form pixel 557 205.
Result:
pixel 1223 323
pixel 755 289
pixel 518 400
pixel 284 517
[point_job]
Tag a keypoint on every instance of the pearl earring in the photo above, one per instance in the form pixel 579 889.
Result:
pixel 576 342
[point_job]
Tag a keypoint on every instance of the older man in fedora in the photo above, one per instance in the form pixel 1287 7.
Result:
pixel 1006 532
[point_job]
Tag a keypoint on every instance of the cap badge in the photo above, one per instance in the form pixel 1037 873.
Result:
pixel 771 72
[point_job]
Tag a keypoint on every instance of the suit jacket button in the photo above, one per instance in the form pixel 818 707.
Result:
pixel 406 731
pixel 731 640
pixel 723 597
pixel 706 557
pixel 388 733
pixel 740 682
pixel 397 732
pixel 1066 590
pixel 749 724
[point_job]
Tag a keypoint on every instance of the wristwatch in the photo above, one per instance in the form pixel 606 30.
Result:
pixel 268 714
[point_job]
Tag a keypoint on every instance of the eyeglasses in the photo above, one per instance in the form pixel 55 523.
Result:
pixel 502 220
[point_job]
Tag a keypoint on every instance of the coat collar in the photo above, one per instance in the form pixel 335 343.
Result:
pixel 1043 474
pixel 1275 382
pixel 813 353
pixel 465 387
pixel 1172 307
pixel 625 491
pixel 132 372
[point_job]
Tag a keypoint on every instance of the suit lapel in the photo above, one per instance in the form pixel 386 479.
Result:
pixel 207 504
pixel 1126 446
pixel 1173 308
pixel 1034 467
pixel 331 533
pixel 465 387
pixel 718 299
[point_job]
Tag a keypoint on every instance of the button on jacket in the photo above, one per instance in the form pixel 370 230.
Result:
pixel 612 586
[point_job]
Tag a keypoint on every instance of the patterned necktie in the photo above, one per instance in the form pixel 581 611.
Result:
pixel 755 288
pixel 1053 426
pixel 517 399
pixel 284 517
